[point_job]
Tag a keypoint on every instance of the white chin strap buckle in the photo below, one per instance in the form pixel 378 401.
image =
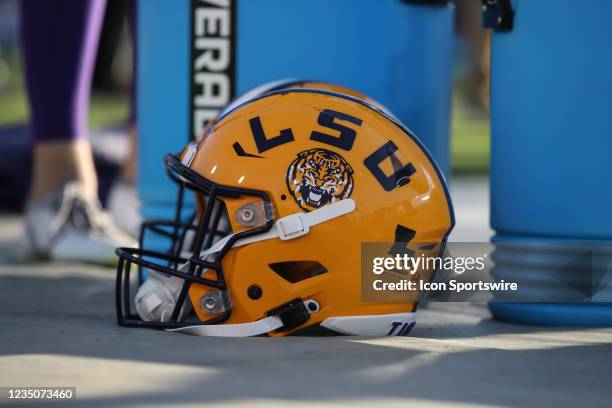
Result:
pixel 292 226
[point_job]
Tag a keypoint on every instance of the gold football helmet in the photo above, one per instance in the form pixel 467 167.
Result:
pixel 300 178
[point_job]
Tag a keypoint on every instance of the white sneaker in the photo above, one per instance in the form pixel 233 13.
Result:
pixel 124 205
pixel 72 226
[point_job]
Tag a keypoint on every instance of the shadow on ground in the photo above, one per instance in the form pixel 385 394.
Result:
pixel 58 328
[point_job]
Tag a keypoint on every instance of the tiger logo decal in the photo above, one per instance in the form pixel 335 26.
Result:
pixel 318 177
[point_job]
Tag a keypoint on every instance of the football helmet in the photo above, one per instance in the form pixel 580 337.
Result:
pixel 300 177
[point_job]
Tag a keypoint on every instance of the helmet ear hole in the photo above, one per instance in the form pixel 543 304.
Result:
pixel 297 271
pixel 254 292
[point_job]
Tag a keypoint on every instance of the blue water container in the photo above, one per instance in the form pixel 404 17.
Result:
pixel 397 52
pixel 551 103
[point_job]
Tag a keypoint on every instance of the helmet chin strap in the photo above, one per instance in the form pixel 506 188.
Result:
pixel 290 227
pixel 159 294
pixel 256 328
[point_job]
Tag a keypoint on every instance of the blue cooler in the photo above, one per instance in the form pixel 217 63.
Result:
pixel 551 172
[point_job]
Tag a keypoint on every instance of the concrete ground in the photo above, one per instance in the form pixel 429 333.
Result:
pixel 57 328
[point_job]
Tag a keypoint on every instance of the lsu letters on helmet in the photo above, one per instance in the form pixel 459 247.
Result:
pixel 302 177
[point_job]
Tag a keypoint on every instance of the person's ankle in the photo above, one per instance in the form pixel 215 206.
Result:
pixel 57 163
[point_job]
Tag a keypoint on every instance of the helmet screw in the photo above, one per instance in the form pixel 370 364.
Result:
pixel 210 303
pixel 254 292
pixel 246 215
pixel 215 301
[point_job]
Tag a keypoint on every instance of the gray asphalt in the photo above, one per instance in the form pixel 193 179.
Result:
pixel 57 328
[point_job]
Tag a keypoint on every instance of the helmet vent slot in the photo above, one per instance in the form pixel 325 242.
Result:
pixel 297 271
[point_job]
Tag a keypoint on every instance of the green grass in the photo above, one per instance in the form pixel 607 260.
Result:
pixel 13 105
pixel 470 142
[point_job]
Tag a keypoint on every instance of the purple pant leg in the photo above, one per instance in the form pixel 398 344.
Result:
pixel 60 39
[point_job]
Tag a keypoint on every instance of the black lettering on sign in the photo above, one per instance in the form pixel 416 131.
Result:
pixel 213 51
pixel 347 135
pixel 401 173
pixel 261 140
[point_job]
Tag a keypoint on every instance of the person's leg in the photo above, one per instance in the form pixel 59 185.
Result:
pixel 56 163
pixel 64 219
pixel 60 39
